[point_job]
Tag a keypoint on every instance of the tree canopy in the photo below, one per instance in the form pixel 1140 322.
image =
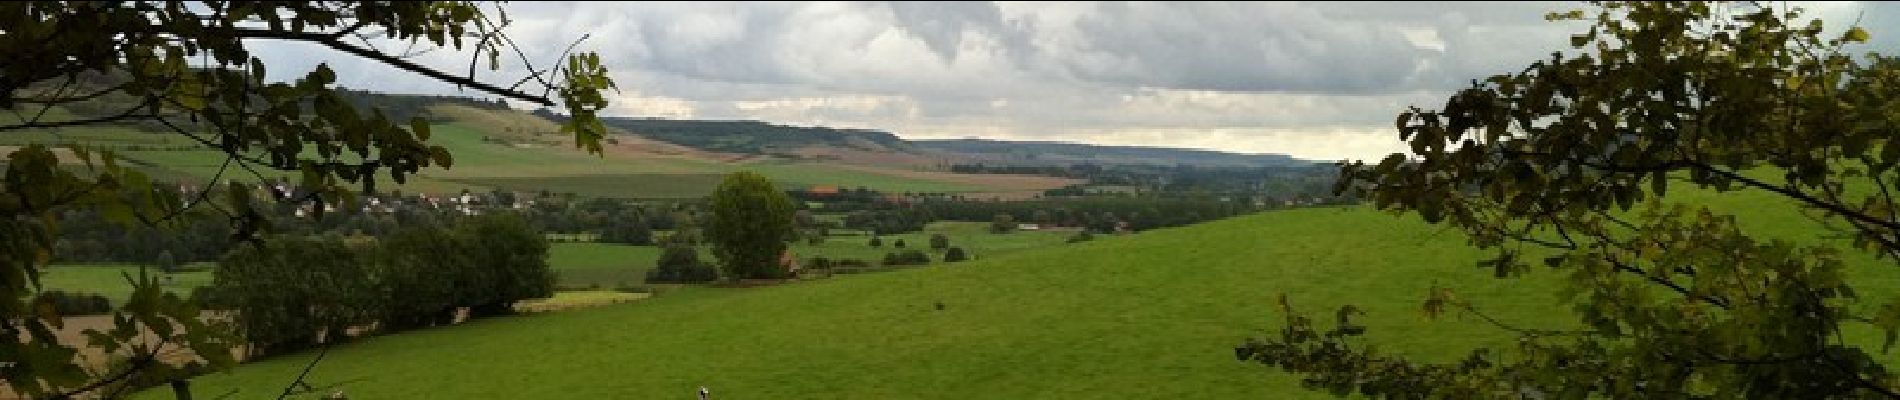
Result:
pixel 1565 164
pixel 751 223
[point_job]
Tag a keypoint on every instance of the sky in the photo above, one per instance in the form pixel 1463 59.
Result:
pixel 1320 80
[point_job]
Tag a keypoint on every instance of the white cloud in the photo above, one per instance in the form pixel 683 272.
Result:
pixel 1318 80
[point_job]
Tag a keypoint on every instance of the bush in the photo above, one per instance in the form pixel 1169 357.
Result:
pixel 818 264
pixel 76 303
pixel 634 231
pixel 422 266
pixel 514 256
pixel 955 254
pixel 681 264
pixel 877 242
pixel 898 244
pixel 1003 223
pixel 1083 236
pixel 939 242
pixel 288 292
pixel 907 257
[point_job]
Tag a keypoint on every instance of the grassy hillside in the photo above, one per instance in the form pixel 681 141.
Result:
pixel 110 279
pixel 1152 315
pixel 1034 152
pixel 510 150
pixel 1144 316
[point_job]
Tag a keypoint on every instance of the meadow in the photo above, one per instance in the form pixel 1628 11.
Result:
pixel 113 280
pixel 1149 315
pixel 1143 316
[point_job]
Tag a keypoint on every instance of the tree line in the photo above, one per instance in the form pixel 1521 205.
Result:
pixel 289 293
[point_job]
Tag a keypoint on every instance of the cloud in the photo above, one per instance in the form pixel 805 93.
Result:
pixel 1319 80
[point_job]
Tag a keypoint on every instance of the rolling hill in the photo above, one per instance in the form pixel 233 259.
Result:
pixel 1034 152
pixel 1152 315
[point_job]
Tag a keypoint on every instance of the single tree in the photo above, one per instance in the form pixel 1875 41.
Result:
pixel 1565 166
pixel 751 223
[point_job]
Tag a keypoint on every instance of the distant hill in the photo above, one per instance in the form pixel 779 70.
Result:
pixel 764 138
pixel 751 137
pixel 1040 152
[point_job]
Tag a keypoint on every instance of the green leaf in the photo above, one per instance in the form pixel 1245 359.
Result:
pixel 1856 35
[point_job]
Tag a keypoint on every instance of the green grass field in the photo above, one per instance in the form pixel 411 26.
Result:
pixel 973 237
pixel 110 279
pixel 600 264
pixel 1152 315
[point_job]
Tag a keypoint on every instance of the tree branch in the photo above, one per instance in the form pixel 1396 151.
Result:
pixel 393 61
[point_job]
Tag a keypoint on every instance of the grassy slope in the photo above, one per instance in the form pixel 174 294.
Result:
pixel 110 279
pixel 481 165
pixel 1144 316
pixel 605 265
pixel 610 265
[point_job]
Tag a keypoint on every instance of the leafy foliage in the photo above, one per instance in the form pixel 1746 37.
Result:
pixel 906 257
pixel 751 223
pixel 185 67
pixel 290 293
pixel 681 264
pixel 955 254
pixel 939 241
pixel 1565 163
pixel 1003 223
pixel 75 303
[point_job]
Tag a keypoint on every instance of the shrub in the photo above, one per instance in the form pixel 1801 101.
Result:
pixel 877 242
pixel 634 231
pixel 955 254
pixel 512 262
pixel 818 264
pixel 288 292
pixel 898 244
pixel 1003 223
pixel 681 264
pixel 1082 236
pixel 939 242
pixel 907 257
pixel 65 303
